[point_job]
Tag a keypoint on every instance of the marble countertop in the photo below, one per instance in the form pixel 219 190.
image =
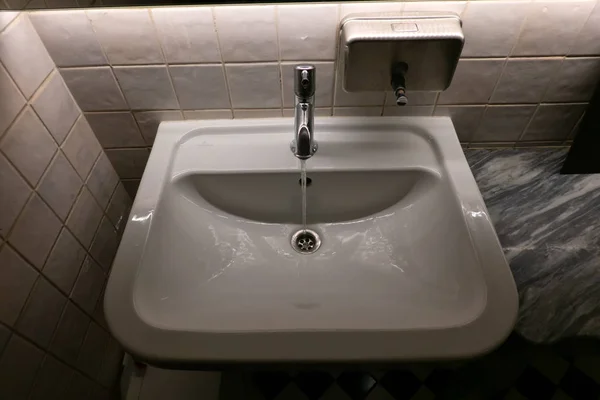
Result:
pixel 549 227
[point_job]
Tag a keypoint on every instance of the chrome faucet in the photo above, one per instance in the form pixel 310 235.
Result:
pixel 304 145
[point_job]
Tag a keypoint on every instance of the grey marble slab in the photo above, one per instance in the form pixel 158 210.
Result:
pixel 549 227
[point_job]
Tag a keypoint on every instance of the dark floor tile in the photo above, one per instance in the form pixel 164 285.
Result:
pixel 579 386
pixel 440 380
pixel 535 386
pixel 270 384
pixel 356 384
pixel 401 384
pixel 313 383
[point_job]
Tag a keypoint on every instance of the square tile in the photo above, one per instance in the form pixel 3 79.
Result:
pixel 102 181
pixel 4 336
pixel 525 80
pixel 148 122
pixel 129 163
pixel 552 27
pixel 85 218
pixel 111 365
pixel 69 334
pixel 115 129
pixel 131 186
pixel 587 41
pixel 119 206
pixel 14 192
pixel 92 351
pixel 324 80
pixel 16 281
pixel 268 113
pixel 35 231
pixel 503 123
pixel 29 146
pixel 18 367
pixel 301 41
pixel 200 86
pixel 254 85
pixel 51 380
pixel 408 111
pixel 402 384
pixel 79 387
pixel 104 246
pixel 55 106
pixel 270 384
pixel 147 88
pixel 112 25
pixel 64 262
pixel 534 385
pixel 187 34
pixel 81 147
pixel 576 80
pixel 94 88
pixel 357 111
pixel 12 100
pixel 208 114
pixel 24 55
pixel 491 28
pixel 88 286
pixel 313 383
pixel 465 119
pixel 68 37
pixel 41 313
pixel 60 186
pixel 554 121
pixel 473 82
pixel 247 33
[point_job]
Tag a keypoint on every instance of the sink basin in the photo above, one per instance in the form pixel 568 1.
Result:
pixel 409 265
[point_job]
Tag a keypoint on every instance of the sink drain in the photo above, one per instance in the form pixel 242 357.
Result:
pixel 306 241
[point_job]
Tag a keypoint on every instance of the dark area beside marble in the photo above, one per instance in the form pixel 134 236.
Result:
pixel 549 227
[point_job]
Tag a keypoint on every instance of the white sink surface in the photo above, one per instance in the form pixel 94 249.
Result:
pixel 409 267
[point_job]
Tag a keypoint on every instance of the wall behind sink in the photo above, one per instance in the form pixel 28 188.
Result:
pixel 527 71
pixel 61 209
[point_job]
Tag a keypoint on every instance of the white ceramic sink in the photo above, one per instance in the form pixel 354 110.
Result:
pixel 409 266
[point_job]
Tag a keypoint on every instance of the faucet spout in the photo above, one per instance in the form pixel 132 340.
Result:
pixel 304 146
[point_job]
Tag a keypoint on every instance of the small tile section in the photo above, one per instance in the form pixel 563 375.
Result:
pixel 105 245
pixel 247 33
pixel 88 286
pixel 147 87
pixel 187 34
pixel 587 43
pixel 254 85
pixel 68 37
pixel 102 181
pixel 35 231
pixel 576 80
pixel 18 367
pixel 473 82
pixel 69 334
pixel 200 86
pixel 525 80
pixel 554 121
pixel 92 350
pixel 16 281
pixel 208 114
pixel 64 262
pixel 60 186
pixel 314 383
pixel 141 45
pixel 29 146
pixel 41 313
pixel 357 384
pixel 115 129
pixel 94 88
pixel 55 106
pixel 271 384
pixel 14 192
pixel 84 218
pixel 82 148
pixel 12 100
pixel 401 384
pixel 503 123
pixel 129 163
pixel 24 55
pixel 301 41
pixel 119 206
pixel 51 380
pixel 552 27
pixel 148 122
pixel 466 119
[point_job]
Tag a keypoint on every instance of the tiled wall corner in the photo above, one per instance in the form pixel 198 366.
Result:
pixel 62 213
pixel 136 67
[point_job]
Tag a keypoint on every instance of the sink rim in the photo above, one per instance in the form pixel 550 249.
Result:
pixel 160 345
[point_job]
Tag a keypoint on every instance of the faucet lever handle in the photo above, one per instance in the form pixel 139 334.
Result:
pixel 304 81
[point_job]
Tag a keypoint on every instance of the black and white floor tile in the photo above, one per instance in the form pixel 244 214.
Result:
pixel 517 370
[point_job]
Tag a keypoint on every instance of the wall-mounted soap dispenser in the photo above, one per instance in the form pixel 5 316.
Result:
pixel 416 52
